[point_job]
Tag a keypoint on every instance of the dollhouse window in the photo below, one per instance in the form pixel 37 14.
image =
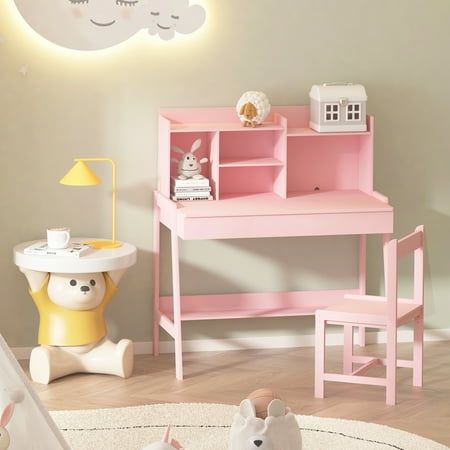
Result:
pixel 331 112
pixel 353 112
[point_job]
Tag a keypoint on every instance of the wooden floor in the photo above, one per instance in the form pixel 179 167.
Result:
pixel 227 377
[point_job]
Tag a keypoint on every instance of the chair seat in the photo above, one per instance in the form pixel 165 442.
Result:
pixel 368 312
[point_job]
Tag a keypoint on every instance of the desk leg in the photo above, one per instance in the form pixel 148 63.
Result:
pixel 177 305
pixel 156 277
pixel 362 282
pixel 386 239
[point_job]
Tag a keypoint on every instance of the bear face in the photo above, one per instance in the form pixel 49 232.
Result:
pixel 79 292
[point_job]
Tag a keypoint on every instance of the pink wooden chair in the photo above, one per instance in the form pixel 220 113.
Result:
pixel 388 313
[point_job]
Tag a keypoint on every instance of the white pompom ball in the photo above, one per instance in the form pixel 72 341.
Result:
pixel 261 103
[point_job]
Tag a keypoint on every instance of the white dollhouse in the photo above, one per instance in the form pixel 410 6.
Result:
pixel 338 107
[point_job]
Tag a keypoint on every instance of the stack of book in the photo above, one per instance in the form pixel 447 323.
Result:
pixel 190 189
pixel 74 250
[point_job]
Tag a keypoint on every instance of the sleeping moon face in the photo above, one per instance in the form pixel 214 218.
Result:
pixel 99 24
pixel 84 24
pixel 166 17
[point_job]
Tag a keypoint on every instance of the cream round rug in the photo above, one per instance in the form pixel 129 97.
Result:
pixel 206 427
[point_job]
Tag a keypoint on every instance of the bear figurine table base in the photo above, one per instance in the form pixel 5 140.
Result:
pixel 47 363
pixel 71 296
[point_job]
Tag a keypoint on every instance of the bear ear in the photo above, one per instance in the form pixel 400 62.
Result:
pixel 276 408
pixel 247 408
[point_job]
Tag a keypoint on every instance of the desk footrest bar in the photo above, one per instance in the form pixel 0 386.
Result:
pixel 366 367
pixel 354 379
pixel 366 359
pixel 167 325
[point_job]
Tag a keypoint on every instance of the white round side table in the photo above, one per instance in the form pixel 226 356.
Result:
pixel 94 260
pixel 72 330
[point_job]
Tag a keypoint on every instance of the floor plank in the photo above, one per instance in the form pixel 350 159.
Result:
pixel 227 377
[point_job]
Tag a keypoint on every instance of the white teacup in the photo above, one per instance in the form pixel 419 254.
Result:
pixel 58 237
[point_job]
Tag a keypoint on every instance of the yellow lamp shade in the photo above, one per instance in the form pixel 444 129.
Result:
pixel 80 175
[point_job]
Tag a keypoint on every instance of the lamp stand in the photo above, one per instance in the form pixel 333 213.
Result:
pixel 104 244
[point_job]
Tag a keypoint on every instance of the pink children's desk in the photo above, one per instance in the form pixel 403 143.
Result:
pixel 280 179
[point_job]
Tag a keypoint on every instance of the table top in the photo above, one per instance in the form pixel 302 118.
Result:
pixel 297 203
pixel 94 260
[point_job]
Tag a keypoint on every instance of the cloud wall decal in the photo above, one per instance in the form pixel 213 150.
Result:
pixel 99 24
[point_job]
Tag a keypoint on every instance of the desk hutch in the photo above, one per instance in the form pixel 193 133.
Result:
pixel 280 179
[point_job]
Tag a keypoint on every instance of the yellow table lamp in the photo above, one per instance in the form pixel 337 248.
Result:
pixel 82 175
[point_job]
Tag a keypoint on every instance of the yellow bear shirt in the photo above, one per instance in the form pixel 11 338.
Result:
pixel 67 327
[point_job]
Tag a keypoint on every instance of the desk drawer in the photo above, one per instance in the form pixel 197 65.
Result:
pixel 191 228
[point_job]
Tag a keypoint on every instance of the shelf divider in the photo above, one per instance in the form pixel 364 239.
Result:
pixel 250 162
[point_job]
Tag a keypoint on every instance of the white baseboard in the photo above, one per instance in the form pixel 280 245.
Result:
pixel 263 342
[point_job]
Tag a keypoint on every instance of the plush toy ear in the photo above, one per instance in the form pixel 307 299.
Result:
pixel 7 414
pixel 203 160
pixel 196 145
pixel 176 149
pixel 176 444
pixel 247 408
pixel 165 438
pixel 174 160
pixel 276 408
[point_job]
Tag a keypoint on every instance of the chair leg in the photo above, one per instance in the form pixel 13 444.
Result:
pixel 348 350
pixel 362 336
pixel 391 365
pixel 362 281
pixel 319 358
pixel 418 352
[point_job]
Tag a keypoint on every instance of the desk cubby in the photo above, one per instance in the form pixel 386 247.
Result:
pixel 279 179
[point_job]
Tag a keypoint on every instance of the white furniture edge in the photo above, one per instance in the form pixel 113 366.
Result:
pixel 11 355
pixel 95 261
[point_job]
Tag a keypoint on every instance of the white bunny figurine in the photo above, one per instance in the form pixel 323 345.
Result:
pixel 165 444
pixel 279 431
pixel 4 420
pixel 189 166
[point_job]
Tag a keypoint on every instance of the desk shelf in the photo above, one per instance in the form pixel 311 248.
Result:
pixel 208 127
pixel 251 305
pixel 309 132
pixel 280 179
pixel 250 162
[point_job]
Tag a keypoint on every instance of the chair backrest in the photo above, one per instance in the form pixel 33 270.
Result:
pixel 399 248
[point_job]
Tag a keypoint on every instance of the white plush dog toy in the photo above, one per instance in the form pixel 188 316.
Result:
pixel 165 444
pixel 279 431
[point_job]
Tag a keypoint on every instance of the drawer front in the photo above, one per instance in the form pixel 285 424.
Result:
pixel 285 225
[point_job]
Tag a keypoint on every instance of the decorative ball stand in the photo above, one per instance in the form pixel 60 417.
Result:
pixel 71 295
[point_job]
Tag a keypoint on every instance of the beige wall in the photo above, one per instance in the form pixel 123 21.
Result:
pixel 76 104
